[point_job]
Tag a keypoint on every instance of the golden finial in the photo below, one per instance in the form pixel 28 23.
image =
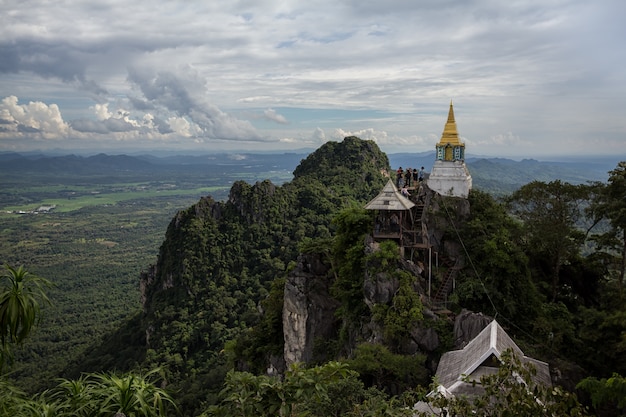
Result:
pixel 450 134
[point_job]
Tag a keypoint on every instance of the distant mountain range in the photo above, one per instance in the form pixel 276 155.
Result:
pixel 103 164
pixel 495 175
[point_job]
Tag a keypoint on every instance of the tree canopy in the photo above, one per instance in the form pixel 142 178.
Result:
pixel 20 297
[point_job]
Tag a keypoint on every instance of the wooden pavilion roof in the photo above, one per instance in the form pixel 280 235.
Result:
pixel 390 199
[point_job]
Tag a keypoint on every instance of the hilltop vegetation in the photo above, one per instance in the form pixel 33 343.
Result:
pixel 220 260
pixel 212 303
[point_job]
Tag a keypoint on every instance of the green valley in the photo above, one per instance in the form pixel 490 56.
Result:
pixel 92 234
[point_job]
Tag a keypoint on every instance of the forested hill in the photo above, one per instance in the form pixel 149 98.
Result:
pixel 219 260
pixel 214 300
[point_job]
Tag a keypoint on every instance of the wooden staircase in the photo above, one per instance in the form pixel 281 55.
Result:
pixel 440 299
pixel 417 237
pixel 419 212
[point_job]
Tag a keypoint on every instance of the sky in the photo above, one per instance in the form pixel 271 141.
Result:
pixel 528 78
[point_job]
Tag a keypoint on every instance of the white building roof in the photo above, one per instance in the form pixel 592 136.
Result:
pixel 480 357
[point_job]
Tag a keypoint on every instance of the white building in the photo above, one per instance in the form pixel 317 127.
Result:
pixel 449 176
pixel 459 372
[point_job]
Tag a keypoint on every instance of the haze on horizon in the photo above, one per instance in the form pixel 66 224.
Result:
pixel 528 78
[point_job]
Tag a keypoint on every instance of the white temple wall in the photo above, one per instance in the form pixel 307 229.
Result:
pixel 450 178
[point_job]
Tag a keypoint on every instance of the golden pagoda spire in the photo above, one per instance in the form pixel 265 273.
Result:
pixel 450 134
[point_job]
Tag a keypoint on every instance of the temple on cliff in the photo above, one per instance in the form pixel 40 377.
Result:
pixel 449 176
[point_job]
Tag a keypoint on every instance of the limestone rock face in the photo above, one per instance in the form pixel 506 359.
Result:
pixel 467 325
pixel 442 214
pixel 308 309
pixel 379 289
pixel 426 339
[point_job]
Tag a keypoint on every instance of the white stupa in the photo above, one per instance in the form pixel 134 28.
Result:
pixel 449 176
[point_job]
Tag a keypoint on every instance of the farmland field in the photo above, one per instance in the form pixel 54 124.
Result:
pixel 93 237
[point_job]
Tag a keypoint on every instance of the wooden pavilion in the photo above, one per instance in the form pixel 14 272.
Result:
pixel 394 216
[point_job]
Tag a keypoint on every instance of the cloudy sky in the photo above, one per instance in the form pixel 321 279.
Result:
pixel 527 77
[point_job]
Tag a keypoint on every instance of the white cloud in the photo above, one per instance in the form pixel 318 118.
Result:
pixel 181 126
pixel 410 143
pixel 319 136
pixel 35 119
pixel 507 139
pixel 272 115
pixel 102 111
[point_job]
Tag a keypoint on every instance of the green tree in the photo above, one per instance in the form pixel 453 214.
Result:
pixel 499 275
pixel 13 401
pixel 402 313
pixel 602 340
pixel 351 224
pixel 606 392
pixel 551 213
pixel 20 297
pixel 387 371
pixel 130 394
pixel 91 395
pixel 328 390
pixel 610 204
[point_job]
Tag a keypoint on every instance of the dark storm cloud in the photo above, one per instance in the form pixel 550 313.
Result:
pixel 92 126
pixel 140 103
pixel 162 126
pixel 163 89
pixel 27 129
pixel 102 126
pixel 48 60
pixel 186 98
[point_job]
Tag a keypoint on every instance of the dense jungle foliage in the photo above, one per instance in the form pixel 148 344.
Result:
pixel 89 299
pixel 219 261
pixel 548 262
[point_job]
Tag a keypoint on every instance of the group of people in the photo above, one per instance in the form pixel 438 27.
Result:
pixel 408 177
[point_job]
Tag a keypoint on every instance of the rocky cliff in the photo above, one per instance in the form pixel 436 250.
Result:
pixel 212 301
pixel 310 311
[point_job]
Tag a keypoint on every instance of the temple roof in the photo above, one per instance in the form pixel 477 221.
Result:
pixel 389 199
pixel 480 357
pixel 450 134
